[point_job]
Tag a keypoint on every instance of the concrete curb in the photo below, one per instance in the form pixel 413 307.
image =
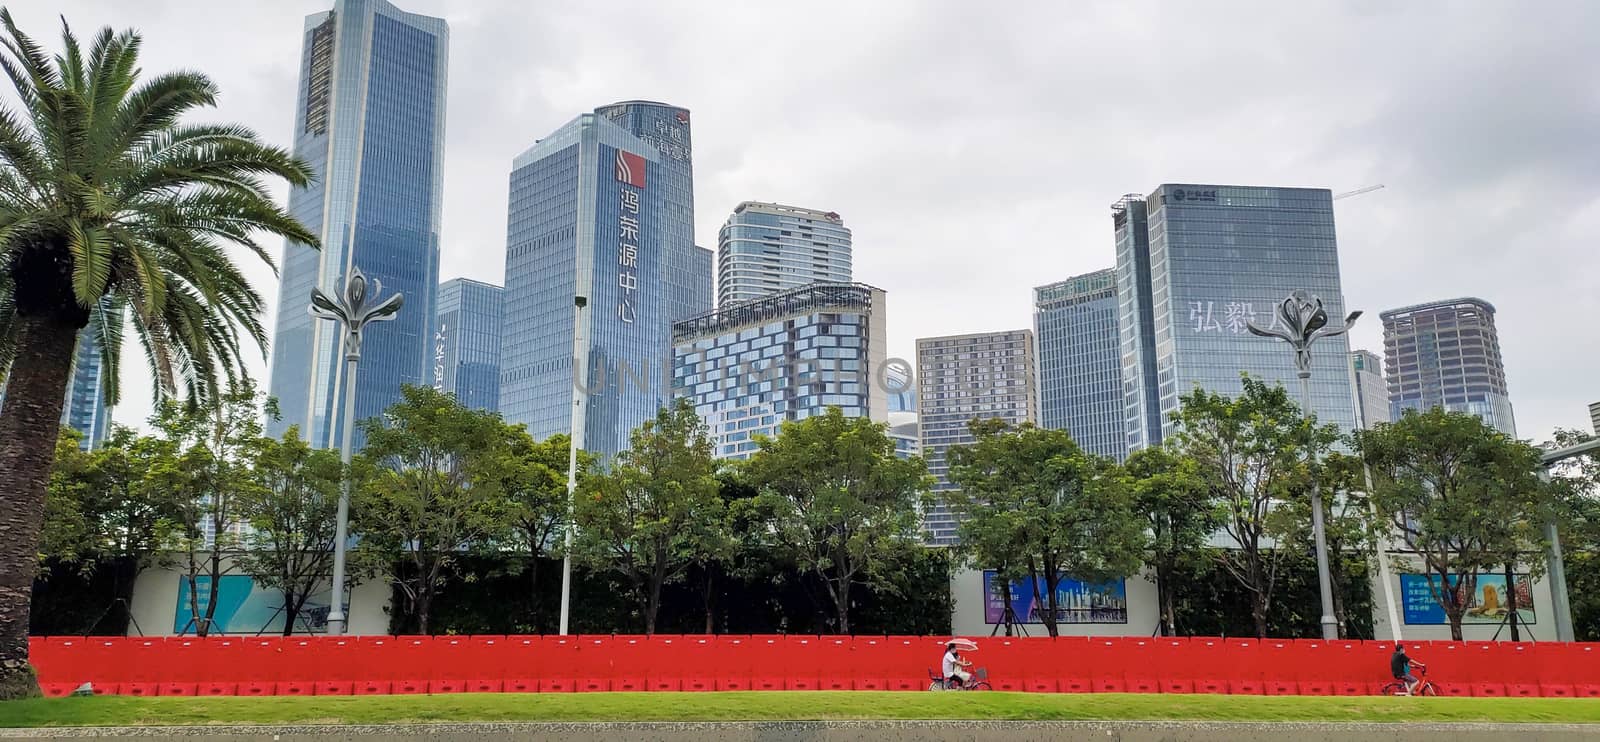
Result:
pixel 847 731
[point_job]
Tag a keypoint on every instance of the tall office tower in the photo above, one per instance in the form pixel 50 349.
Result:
pixel 1080 366
pixel 1195 265
pixel 466 342
pixel 1370 390
pixel 766 248
pixel 685 268
pixel 370 120
pixel 592 215
pixel 1594 416
pixel 1447 354
pixel 749 366
pixel 84 408
pixel 961 378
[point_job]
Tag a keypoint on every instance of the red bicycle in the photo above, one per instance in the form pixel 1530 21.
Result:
pixel 1424 685
pixel 979 681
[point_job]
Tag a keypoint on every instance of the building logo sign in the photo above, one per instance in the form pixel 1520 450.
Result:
pixel 630 172
pixel 630 169
pixel 1195 195
pixel 1229 316
pixel 438 358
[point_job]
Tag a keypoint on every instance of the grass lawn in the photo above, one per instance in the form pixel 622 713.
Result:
pixel 767 706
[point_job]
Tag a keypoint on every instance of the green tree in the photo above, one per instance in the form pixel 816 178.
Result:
pixel 1462 495
pixel 1350 528
pixel 1253 452
pixel 1180 518
pixel 532 477
pixel 427 494
pixel 1040 503
pixel 69 536
pixel 290 511
pixel 112 208
pixel 208 476
pixel 845 505
pixel 650 515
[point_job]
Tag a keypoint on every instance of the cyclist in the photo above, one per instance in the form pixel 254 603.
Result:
pixel 954 667
pixel 1400 668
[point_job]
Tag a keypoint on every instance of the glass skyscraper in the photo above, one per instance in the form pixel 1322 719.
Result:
pixel 1447 354
pixel 767 248
pixel 1080 368
pixel 370 119
pixel 601 213
pixel 466 342
pixel 1195 264
pixel 962 378
pixel 751 365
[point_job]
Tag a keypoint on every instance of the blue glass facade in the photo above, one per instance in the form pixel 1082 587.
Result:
pixel 466 342
pixel 370 120
pixel 1219 257
pixel 749 366
pixel 590 215
pixel 685 269
pixel 1080 368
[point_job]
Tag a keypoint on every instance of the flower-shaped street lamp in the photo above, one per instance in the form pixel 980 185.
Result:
pixel 1302 320
pixel 352 308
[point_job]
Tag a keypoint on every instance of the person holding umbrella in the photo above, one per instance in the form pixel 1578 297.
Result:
pixel 954 666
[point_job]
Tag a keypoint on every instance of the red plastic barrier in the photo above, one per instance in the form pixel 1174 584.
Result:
pixel 308 665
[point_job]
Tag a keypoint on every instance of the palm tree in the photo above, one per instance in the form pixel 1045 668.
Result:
pixel 113 213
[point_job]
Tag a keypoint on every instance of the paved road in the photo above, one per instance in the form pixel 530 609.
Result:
pixel 864 731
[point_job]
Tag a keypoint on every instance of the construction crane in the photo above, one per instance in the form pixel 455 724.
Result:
pixel 1358 191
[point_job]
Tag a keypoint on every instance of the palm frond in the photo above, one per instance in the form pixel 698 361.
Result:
pixel 105 326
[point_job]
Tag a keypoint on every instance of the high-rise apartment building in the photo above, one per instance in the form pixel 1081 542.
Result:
pixel 600 213
pixel 749 366
pixel 466 342
pixel 1370 390
pixel 962 378
pixel 1447 354
pixel 767 248
pixel 1195 265
pixel 369 119
pixel 1594 416
pixel 1080 366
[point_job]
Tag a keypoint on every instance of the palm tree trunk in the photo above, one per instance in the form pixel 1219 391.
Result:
pixel 30 422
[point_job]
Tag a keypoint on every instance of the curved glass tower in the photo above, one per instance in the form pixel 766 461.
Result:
pixel 370 120
pixel 769 248
pixel 1447 354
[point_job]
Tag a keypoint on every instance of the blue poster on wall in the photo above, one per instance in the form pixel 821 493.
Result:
pixel 244 607
pixel 1076 602
pixel 1487 600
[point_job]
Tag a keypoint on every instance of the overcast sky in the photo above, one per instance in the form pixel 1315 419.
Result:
pixel 974 148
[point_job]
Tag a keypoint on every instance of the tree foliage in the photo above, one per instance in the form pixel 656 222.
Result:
pixel 655 510
pixel 1039 505
pixel 289 509
pixel 532 479
pixel 843 505
pixel 426 492
pixel 1252 452
pixel 1462 495
pixel 1179 517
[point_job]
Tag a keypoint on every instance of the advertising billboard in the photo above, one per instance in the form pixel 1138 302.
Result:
pixel 1486 600
pixel 1076 602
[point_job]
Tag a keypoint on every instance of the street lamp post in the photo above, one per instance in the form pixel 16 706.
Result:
pixel 580 395
pixel 1304 321
pixel 353 308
